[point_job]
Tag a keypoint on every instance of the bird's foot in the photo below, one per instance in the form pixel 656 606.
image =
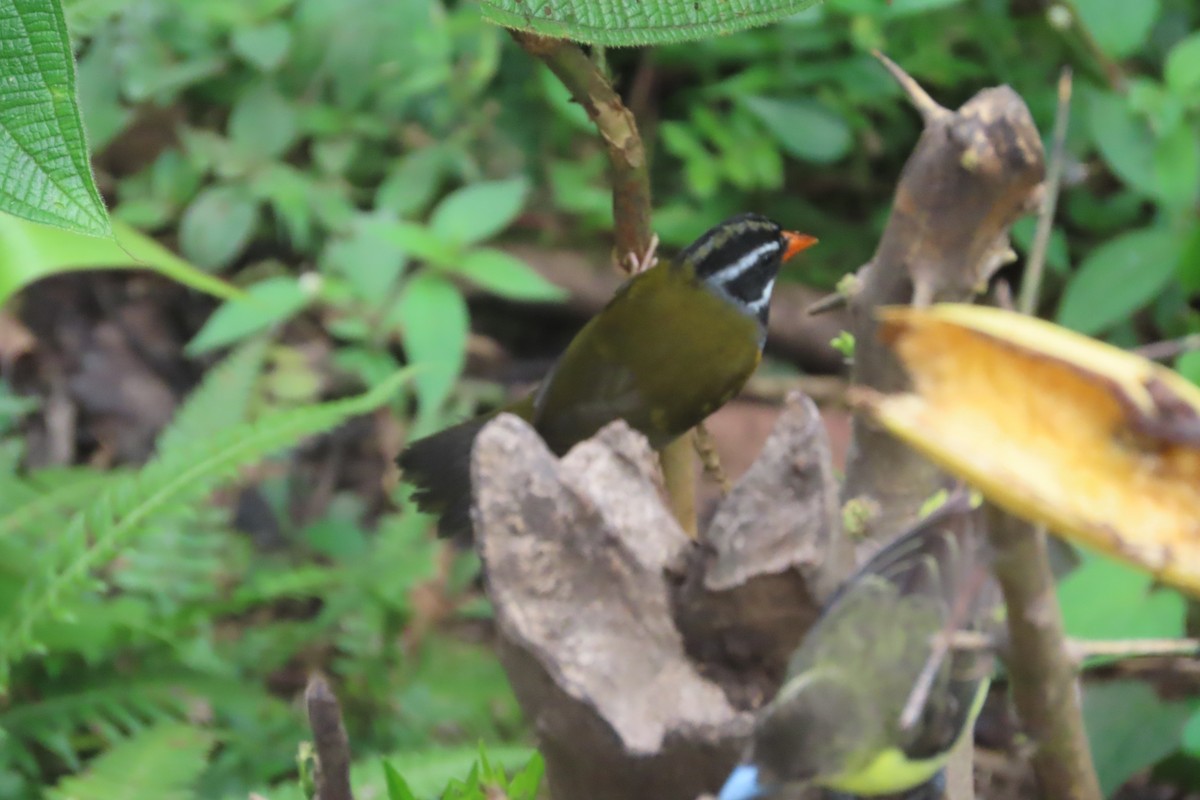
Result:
pixel 646 260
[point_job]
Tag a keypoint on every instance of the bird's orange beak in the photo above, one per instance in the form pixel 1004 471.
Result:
pixel 797 243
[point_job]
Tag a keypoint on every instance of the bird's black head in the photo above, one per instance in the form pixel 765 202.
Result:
pixel 740 257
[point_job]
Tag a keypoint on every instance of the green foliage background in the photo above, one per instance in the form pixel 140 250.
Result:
pixel 353 165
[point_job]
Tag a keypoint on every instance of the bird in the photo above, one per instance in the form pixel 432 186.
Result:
pixel 871 704
pixel 675 342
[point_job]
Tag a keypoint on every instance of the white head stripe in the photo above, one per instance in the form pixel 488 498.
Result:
pixel 727 274
pixel 764 298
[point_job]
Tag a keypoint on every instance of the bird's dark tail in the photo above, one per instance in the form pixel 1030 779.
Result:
pixel 439 466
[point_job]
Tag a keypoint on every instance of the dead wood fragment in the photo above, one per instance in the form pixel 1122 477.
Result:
pixel 575 554
pixel 580 557
pixel 769 557
pixel 783 514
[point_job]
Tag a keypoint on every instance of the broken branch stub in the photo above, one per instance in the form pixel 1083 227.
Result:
pixel 771 555
pixel 574 554
pixel 973 173
pixel 582 561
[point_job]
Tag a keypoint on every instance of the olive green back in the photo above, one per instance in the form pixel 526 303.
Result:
pixel 663 354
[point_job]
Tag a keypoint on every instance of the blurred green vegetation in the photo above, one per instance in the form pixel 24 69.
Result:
pixel 352 165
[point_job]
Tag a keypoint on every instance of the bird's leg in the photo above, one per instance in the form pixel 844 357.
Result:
pixel 646 260
pixel 707 450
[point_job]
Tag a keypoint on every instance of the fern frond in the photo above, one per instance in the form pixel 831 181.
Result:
pixel 181 477
pixel 119 707
pixel 45 501
pixel 182 563
pixel 220 401
pixel 118 704
pixel 161 763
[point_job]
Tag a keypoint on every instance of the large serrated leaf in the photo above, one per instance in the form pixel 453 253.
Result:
pixel 45 173
pixel 625 23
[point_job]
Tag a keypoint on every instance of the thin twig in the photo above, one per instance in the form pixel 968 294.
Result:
pixel 1171 348
pixel 1083 649
pixel 329 740
pixel 1031 286
pixel 1126 649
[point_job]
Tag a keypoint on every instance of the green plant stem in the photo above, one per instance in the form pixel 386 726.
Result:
pixel 631 211
pixel 1042 671
pixel 1031 285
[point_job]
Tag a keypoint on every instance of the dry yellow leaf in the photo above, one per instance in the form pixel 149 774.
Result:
pixel 1101 445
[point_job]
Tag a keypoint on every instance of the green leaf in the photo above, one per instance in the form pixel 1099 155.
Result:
pixel 104 114
pixel 803 127
pixel 46 175
pixel 162 762
pixel 434 320
pixel 1104 599
pixel 1118 278
pixel 1182 68
pixel 1189 259
pixel 397 787
pixel 621 23
pixel 1120 27
pixel 559 98
pixel 371 263
pixel 479 211
pixel 1130 729
pixel 1177 167
pixel 266 303
pixel 1124 139
pixel 1057 255
pixel 265 46
pixel 31 251
pixel 262 124
pixel 221 401
pixel 524 785
pixel 427 772
pixel 412 181
pixel 415 240
pixel 132 504
pixel 506 275
pixel 1187 365
pixel 217 226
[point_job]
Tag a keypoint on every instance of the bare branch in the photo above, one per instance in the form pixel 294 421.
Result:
pixel 1031 285
pixel 931 111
